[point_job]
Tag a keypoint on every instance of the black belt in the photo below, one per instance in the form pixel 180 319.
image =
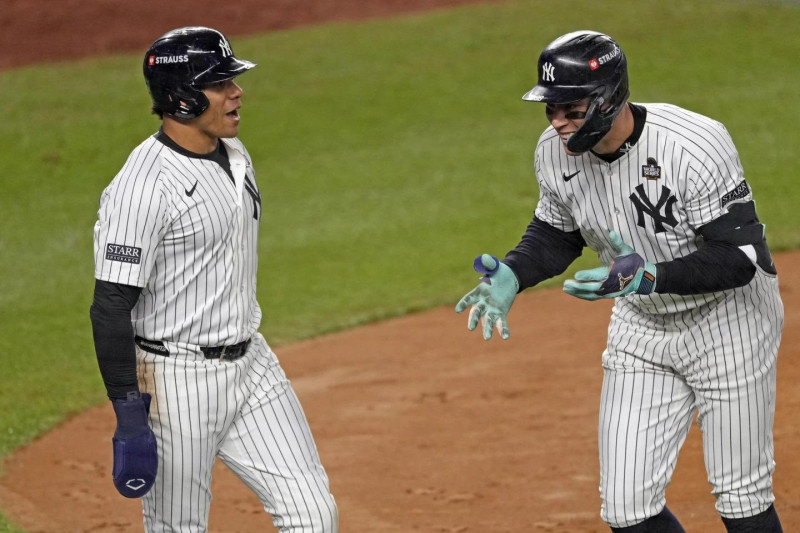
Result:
pixel 223 353
pixel 226 353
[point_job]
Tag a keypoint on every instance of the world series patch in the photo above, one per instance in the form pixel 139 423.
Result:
pixel 741 191
pixel 651 170
pixel 123 254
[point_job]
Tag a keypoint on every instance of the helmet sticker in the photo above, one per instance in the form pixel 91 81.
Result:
pixel 609 56
pixel 548 72
pixel 162 60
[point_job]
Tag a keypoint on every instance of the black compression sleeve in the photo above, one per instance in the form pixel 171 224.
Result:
pixel 543 252
pixel 113 336
pixel 717 266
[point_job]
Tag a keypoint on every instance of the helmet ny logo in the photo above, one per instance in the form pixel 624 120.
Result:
pixel 225 48
pixel 548 72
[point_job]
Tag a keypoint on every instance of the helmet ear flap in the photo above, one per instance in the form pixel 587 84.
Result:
pixel 593 129
pixel 605 106
pixel 186 103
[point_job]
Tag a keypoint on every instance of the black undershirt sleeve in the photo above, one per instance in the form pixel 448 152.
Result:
pixel 720 264
pixel 113 336
pixel 543 252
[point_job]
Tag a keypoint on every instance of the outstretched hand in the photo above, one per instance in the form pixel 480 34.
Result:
pixel 492 298
pixel 629 273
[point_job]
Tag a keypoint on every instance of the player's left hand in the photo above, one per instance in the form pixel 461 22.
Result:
pixel 492 298
pixel 629 273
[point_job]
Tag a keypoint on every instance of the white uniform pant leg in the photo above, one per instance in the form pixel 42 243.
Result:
pixel 271 449
pixel 193 402
pixel 645 414
pixel 735 382
pixel 738 446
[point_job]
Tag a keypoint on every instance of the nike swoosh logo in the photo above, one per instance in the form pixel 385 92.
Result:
pixel 567 178
pixel 190 192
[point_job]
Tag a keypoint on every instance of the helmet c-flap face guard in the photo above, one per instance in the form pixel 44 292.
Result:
pixel 181 62
pixel 580 65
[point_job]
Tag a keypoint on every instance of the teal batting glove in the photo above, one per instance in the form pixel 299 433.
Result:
pixel 492 298
pixel 629 273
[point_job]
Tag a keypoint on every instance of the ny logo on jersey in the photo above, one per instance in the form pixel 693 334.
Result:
pixel 547 72
pixel 661 213
pixel 225 48
pixel 255 194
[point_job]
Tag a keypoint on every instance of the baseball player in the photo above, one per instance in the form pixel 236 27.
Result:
pixel 175 316
pixel 659 193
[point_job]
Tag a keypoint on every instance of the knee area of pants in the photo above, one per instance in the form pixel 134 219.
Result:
pixel 323 515
pixel 329 522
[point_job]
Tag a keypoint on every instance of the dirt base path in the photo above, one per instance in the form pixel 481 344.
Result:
pixel 424 427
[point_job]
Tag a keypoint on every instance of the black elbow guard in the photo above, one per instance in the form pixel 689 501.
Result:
pixel 740 227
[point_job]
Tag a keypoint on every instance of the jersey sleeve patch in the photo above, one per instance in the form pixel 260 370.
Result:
pixel 123 254
pixel 741 191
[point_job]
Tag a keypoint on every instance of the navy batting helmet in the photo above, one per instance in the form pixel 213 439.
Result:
pixel 179 63
pixel 584 64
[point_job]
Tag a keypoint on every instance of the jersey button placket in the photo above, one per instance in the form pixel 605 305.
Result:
pixel 611 194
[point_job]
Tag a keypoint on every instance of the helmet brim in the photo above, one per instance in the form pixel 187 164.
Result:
pixel 557 94
pixel 226 70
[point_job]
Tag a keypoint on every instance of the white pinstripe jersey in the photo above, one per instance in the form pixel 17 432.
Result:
pixel 178 227
pixel 682 173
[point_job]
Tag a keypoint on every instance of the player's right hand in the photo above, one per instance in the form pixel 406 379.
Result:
pixel 135 451
pixel 492 298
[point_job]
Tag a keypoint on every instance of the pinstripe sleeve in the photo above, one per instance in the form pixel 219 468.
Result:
pixel 131 220
pixel 716 177
pixel 551 209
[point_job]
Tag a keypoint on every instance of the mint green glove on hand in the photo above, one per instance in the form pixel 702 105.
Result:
pixel 629 273
pixel 492 299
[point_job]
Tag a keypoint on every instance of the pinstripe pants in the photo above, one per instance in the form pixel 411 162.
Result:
pixel 245 412
pixel 718 361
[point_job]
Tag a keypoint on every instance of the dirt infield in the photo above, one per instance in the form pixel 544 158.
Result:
pixel 423 427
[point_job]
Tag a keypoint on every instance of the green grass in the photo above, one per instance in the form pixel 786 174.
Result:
pixel 389 152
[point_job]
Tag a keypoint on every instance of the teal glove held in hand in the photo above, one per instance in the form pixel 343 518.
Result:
pixel 629 273
pixel 492 298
